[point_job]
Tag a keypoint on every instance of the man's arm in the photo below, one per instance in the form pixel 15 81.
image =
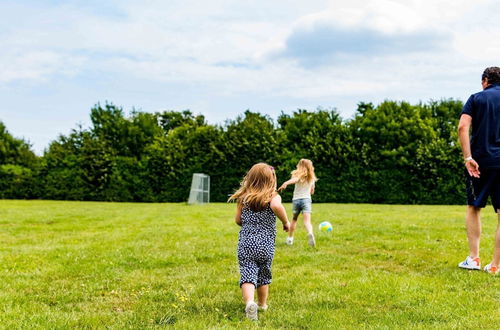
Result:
pixel 463 135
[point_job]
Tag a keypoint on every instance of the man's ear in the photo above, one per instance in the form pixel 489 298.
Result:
pixel 484 83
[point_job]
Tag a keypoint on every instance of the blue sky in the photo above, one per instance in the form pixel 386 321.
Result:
pixel 220 58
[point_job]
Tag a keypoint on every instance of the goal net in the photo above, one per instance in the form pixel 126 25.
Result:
pixel 200 189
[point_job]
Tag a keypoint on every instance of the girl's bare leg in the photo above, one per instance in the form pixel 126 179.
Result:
pixel 247 291
pixel 263 293
pixel 293 225
pixel 307 223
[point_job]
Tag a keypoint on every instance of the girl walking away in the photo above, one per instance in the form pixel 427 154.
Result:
pixel 304 179
pixel 258 206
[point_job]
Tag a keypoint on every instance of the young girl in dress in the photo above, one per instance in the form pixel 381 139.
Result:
pixel 258 206
pixel 304 179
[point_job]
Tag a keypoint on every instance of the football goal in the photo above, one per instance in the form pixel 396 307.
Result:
pixel 200 189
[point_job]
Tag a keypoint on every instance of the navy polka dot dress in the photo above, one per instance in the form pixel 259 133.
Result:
pixel 256 245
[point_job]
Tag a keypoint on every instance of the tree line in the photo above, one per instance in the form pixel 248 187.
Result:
pixel 394 152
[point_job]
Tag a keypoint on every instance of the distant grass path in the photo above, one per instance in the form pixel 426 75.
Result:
pixel 123 265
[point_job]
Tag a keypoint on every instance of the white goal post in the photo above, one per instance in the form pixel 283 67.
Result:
pixel 200 189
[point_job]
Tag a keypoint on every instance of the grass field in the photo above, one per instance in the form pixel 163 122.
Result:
pixel 110 265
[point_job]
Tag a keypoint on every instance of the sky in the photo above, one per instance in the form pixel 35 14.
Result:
pixel 219 58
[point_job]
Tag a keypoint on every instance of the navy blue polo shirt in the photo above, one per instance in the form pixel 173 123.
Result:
pixel 484 108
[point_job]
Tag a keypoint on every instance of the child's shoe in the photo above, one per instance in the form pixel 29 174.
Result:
pixel 469 263
pixel 289 240
pixel 251 311
pixel 264 308
pixel 311 240
pixel 491 269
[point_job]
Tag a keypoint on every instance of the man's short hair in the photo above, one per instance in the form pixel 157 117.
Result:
pixel 493 75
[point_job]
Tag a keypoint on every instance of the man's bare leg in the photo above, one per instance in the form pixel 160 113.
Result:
pixel 473 225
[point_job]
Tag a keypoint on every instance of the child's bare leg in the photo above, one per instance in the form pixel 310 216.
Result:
pixel 263 293
pixel 293 225
pixel 307 223
pixel 247 291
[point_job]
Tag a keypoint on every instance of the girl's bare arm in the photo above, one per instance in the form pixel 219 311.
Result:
pixel 280 211
pixel 237 217
pixel 286 183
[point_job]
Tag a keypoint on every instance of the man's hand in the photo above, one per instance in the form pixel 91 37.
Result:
pixel 473 168
pixel 286 226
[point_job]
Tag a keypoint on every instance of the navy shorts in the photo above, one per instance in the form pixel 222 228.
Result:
pixel 479 189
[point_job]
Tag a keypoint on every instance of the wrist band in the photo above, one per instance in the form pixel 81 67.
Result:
pixel 468 159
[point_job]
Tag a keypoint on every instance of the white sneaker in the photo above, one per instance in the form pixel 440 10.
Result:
pixel 469 263
pixel 251 311
pixel 311 240
pixel 264 308
pixel 289 240
pixel 492 270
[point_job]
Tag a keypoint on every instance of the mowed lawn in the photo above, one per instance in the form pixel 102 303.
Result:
pixel 122 265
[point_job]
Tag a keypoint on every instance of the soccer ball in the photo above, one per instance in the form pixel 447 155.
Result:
pixel 325 226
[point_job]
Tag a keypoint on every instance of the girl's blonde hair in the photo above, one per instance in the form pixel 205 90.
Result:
pixel 257 188
pixel 305 171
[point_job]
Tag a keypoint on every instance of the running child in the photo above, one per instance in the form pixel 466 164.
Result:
pixel 258 206
pixel 304 179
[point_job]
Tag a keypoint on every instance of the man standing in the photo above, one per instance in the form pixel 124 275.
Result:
pixel 482 160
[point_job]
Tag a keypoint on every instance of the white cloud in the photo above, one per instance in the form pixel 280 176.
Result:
pixel 220 51
pixel 394 16
pixel 480 45
pixel 37 66
pixel 185 42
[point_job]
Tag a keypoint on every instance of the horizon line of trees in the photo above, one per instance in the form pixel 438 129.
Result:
pixel 395 152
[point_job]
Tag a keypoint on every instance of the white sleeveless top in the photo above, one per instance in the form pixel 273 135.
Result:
pixel 302 190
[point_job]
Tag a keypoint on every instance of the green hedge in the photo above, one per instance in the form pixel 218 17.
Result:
pixel 395 152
